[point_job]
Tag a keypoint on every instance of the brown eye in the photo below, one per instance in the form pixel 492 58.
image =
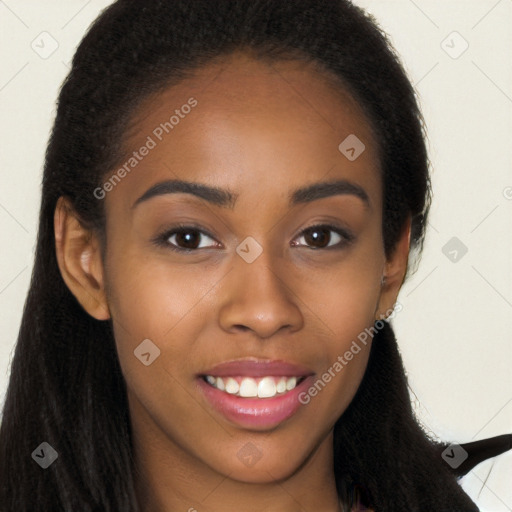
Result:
pixel 191 238
pixel 188 239
pixel 317 237
pixel 320 237
pixel 185 238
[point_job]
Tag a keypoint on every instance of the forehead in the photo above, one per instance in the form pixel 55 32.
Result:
pixel 252 122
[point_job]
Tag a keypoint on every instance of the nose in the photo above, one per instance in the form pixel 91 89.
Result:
pixel 259 296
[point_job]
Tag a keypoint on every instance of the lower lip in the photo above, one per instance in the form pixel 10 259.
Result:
pixel 255 412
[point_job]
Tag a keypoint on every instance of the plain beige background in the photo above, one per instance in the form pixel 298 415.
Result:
pixel 455 327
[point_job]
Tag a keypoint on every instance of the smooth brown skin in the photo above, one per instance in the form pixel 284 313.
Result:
pixel 260 130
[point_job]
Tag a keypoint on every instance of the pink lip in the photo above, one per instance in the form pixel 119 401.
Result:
pixel 256 413
pixel 258 368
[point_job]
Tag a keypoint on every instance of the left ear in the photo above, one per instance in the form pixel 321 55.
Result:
pixel 394 273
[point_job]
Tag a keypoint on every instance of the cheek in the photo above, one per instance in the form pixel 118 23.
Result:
pixel 343 301
pixel 160 302
pixel 169 307
pixel 345 312
pixel 343 294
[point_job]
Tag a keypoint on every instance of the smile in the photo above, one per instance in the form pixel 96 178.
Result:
pixel 248 387
pixel 258 394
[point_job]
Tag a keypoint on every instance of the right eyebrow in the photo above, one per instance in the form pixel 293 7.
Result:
pixel 214 195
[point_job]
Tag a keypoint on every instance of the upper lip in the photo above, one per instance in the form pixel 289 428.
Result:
pixel 258 368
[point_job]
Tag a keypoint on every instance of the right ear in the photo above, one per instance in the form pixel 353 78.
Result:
pixel 79 260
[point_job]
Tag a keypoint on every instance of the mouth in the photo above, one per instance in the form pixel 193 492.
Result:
pixel 255 394
pixel 248 387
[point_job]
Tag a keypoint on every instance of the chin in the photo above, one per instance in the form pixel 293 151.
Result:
pixel 277 467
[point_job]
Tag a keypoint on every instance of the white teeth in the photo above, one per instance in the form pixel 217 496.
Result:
pixel 219 384
pixel 266 388
pixel 232 386
pixel 291 383
pixel 281 385
pixel 247 387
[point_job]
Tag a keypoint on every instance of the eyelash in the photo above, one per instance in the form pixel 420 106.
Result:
pixel 162 240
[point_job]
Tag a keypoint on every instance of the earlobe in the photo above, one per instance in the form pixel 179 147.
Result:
pixel 394 273
pixel 79 259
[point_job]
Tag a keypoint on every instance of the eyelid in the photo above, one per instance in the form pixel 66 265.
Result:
pixel 163 238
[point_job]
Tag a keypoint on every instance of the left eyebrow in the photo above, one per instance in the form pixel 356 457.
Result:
pixel 227 199
pixel 327 189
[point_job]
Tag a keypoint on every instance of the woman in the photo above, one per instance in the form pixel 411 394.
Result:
pixel 231 194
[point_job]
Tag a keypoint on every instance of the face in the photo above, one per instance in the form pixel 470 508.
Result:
pixel 246 249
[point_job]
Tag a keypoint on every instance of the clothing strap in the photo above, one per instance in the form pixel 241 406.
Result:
pixel 478 451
